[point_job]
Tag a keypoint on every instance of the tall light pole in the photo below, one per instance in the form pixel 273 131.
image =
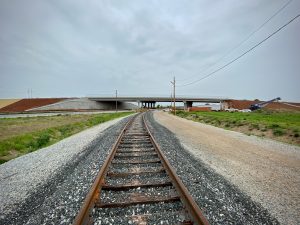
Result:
pixel 174 82
pixel 116 100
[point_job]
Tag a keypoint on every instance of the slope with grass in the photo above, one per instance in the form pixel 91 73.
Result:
pixel 281 126
pixel 19 136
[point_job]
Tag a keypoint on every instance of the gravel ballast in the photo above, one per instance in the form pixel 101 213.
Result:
pixel 48 186
pixel 221 201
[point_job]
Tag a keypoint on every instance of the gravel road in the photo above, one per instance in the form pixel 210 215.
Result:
pixel 268 171
pixel 48 186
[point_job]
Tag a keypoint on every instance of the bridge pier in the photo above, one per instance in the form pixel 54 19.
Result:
pixel 187 104
pixel 148 105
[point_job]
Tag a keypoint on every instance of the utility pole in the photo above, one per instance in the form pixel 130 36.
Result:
pixel 116 100
pixel 174 82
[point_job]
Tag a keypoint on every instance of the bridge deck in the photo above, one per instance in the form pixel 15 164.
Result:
pixel 157 99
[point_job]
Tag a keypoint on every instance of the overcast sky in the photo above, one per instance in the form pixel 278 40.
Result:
pixel 65 48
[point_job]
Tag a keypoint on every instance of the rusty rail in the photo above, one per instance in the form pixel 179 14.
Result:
pixel 186 198
pixel 82 217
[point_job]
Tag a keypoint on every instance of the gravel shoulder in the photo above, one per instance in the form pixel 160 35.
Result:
pixel 34 185
pixel 268 171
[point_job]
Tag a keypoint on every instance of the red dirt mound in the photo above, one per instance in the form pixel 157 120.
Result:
pixel 240 104
pixel 245 104
pixel 25 104
pixel 196 109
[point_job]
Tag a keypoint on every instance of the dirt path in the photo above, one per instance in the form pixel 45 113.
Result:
pixel 266 170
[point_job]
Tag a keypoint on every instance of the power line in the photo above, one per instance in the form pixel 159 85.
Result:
pixel 247 38
pixel 240 56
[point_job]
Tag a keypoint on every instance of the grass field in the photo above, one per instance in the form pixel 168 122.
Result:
pixel 282 126
pixel 19 136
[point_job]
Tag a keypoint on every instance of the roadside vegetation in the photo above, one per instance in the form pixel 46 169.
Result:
pixel 19 136
pixel 281 126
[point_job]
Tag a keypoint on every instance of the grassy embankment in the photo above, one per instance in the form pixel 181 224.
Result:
pixel 281 126
pixel 19 136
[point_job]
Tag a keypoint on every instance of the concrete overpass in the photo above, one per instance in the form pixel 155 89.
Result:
pixel 149 102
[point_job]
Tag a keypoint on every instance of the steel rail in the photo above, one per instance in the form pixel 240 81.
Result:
pixel 82 217
pixel 187 200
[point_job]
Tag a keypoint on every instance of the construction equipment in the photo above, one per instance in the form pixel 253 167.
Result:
pixel 262 104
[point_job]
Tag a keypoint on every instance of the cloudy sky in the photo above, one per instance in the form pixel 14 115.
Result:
pixel 65 48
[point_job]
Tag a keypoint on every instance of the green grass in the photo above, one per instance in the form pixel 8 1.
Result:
pixel 22 144
pixel 279 124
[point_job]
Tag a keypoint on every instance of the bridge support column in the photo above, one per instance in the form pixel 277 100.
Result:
pixel 222 107
pixel 187 104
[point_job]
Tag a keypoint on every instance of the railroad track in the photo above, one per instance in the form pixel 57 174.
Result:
pixel 136 185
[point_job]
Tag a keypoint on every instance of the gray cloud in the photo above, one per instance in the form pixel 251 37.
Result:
pixel 78 48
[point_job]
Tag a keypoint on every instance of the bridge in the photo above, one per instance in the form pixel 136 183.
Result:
pixel 149 102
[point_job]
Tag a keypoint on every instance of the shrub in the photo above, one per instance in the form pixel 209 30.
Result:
pixel 64 130
pixel 278 132
pixel 207 120
pixel 274 125
pixel 43 140
pixel 255 126
pixel 194 116
pixel 264 129
pixel 218 122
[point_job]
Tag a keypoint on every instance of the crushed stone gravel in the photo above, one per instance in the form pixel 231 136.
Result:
pixel 161 213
